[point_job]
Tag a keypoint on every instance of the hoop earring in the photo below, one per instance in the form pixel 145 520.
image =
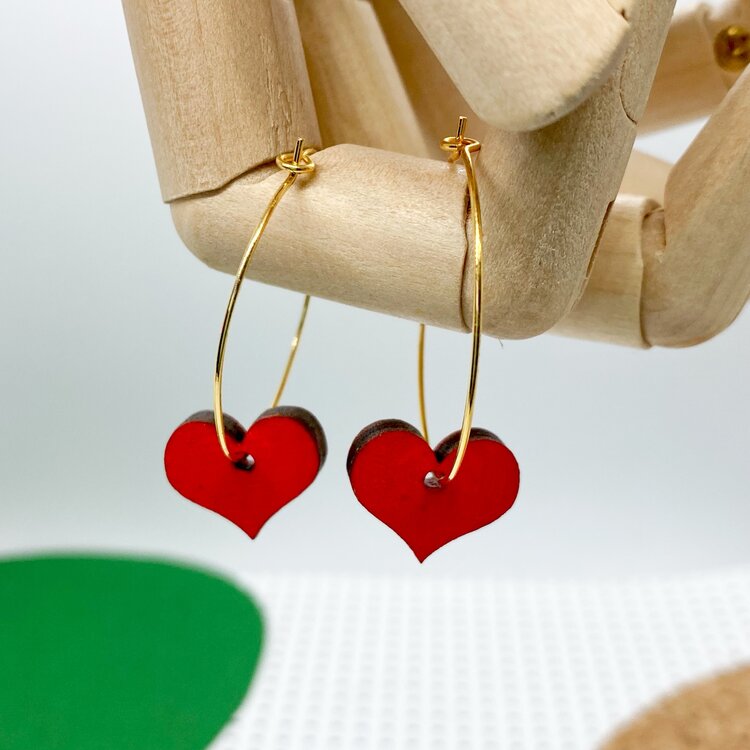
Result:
pixel 427 497
pixel 247 476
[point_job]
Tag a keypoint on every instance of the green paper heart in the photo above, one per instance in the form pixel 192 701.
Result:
pixel 106 653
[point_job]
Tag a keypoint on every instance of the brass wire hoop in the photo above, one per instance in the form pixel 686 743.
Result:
pixel 295 163
pixel 461 147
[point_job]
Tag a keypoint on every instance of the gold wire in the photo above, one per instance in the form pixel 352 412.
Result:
pixel 476 316
pixel 461 147
pixel 420 383
pixel 295 163
pixel 292 352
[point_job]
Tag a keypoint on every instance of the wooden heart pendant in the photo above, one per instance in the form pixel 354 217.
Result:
pixel 397 476
pixel 273 462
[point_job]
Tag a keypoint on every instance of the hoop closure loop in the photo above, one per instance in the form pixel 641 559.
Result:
pixel 297 162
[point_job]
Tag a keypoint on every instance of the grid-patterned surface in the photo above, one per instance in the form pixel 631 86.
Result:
pixel 368 664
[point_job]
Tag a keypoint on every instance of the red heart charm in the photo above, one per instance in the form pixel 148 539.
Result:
pixel 389 462
pixel 273 462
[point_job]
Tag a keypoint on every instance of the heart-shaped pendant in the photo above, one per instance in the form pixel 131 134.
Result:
pixel 272 463
pixel 404 483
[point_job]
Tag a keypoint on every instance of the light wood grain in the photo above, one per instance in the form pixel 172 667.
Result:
pixel 359 230
pixel 646 176
pixel 521 69
pixel 389 232
pixel 610 308
pixel 544 193
pixel 697 283
pixel 359 95
pixel 689 83
pixel 224 87
pixel 435 100
pixel 692 256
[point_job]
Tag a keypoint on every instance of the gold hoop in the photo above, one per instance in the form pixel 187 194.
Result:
pixel 295 163
pixel 459 146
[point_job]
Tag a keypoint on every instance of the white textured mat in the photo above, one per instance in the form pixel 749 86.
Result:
pixel 366 664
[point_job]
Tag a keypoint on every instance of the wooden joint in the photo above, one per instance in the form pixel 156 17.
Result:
pixel 692 80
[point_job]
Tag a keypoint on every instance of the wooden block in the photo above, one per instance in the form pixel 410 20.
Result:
pixel 698 280
pixel 373 228
pixel 368 228
pixel 521 67
pixel 610 308
pixel 688 263
pixel 538 251
pixel 545 195
pixel 359 95
pixel 645 175
pixel 387 232
pixel 689 83
pixel 224 87
pixel 435 100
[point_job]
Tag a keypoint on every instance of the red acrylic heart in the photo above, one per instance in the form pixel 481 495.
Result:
pixel 273 462
pixel 387 466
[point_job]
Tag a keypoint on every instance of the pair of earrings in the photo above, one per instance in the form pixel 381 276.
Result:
pixel 428 497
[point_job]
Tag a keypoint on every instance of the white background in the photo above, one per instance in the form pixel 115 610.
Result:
pixel 633 462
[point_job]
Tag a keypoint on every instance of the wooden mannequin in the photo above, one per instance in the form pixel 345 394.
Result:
pixel 554 96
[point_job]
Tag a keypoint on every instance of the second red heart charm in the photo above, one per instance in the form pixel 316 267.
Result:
pixel 397 477
pixel 274 461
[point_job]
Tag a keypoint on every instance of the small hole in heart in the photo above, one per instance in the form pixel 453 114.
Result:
pixel 433 480
pixel 245 463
